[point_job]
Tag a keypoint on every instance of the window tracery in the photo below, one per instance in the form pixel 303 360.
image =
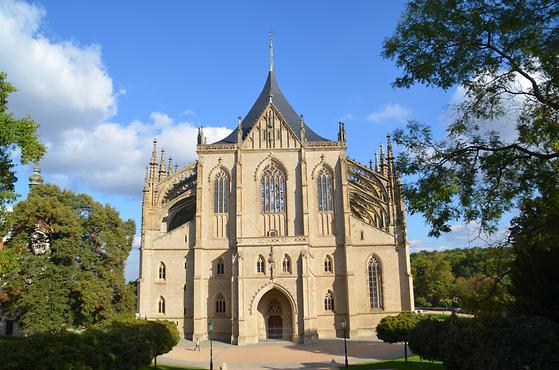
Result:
pixel 328 301
pixel 272 189
pixel 162 271
pixel 328 264
pixel 220 304
pixel 221 192
pixel 324 189
pixel 161 305
pixel 375 284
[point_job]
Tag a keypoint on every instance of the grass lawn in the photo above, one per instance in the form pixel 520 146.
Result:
pixel 414 363
pixel 165 367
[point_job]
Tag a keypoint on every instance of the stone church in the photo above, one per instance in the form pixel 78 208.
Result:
pixel 274 233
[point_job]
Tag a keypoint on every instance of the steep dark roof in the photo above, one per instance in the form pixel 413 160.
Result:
pixel 282 105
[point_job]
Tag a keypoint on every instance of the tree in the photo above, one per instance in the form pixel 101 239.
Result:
pixel 165 335
pixel 15 134
pixel 535 275
pixel 71 253
pixel 503 54
pixel 397 329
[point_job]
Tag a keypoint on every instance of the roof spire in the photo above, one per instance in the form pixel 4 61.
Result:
pixel 271 54
pixel 35 178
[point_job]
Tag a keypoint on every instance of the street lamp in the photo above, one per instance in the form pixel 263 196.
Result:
pixel 344 326
pixel 210 332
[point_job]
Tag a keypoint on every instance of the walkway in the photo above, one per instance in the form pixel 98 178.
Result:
pixel 280 355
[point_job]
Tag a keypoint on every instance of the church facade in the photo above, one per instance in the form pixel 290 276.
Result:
pixel 274 233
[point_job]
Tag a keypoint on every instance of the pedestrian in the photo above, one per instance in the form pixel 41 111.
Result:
pixel 197 346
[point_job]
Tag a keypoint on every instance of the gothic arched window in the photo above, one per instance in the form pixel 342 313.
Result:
pixel 328 301
pixel 161 305
pixel 220 304
pixel 260 264
pixel 328 264
pixel 324 189
pixel 221 192
pixel 375 284
pixel 286 264
pixel 272 189
pixel 220 267
pixel 162 271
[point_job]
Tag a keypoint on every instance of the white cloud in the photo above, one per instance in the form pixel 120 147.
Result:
pixel 69 92
pixel 60 84
pixel 111 158
pixel 391 112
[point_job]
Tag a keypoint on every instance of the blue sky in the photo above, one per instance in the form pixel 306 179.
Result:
pixel 103 78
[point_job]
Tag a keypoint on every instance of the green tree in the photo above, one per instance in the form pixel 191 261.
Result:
pixel 397 329
pixel 504 56
pixel 535 275
pixel 165 335
pixel 78 280
pixel 15 134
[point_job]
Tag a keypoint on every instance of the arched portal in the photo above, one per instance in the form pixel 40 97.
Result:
pixel 275 316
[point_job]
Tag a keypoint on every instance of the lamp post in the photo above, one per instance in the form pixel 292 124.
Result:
pixel 344 326
pixel 210 332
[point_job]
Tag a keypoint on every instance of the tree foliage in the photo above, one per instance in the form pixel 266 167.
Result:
pixel 15 135
pixel 397 329
pixel 488 343
pixel 535 273
pixel 120 345
pixel 504 56
pixel 475 279
pixel 79 280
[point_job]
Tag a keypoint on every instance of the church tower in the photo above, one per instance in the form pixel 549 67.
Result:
pixel 274 233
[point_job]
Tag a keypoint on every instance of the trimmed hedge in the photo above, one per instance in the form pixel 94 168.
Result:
pixel 121 345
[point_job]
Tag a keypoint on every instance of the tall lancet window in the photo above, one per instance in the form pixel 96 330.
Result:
pixel 272 189
pixel 324 188
pixel 221 192
pixel 375 284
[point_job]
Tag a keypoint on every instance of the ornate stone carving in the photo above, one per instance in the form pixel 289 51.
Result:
pixel 266 240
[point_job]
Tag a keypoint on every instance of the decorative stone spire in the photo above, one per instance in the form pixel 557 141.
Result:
pixel 36 178
pixel 162 170
pixel 376 162
pixel 341 131
pixel 176 168
pixel 170 166
pixel 390 160
pixel 371 164
pixel 239 130
pixel 146 179
pixel 271 54
pixel 201 137
pixel 382 161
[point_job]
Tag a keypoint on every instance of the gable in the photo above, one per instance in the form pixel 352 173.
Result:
pixel 271 131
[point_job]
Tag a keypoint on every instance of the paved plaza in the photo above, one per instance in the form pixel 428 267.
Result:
pixel 280 355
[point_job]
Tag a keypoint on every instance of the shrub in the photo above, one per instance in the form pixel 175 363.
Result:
pixel 396 329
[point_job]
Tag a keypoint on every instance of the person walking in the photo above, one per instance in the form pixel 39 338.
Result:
pixel 197 346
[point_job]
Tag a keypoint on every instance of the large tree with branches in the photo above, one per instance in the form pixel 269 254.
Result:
pixel 503 55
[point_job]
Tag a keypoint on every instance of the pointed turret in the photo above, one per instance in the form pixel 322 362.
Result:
pixel 162 170
pixel 201 138
pixel 341 131
pixel 36 178
pixel 382 161
pixel 239 130
pixel 170 166
pixel 376 162
pixel 153 163
pixel 390 159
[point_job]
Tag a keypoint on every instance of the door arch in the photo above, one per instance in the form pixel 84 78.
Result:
pixel 275 316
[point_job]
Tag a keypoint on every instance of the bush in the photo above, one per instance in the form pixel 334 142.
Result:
pixel 488 343
pixel 121 345
pixel 396 329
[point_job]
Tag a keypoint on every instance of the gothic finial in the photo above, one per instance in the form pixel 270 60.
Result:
pixel 371 164
pixel 146 180
pixel 176 168
pixel 271 54
pixel 154 152
pixel 201 138
pixel 170 166
pixel 341 131
pixel 162 170
pixel 376 161
pixel 382 160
